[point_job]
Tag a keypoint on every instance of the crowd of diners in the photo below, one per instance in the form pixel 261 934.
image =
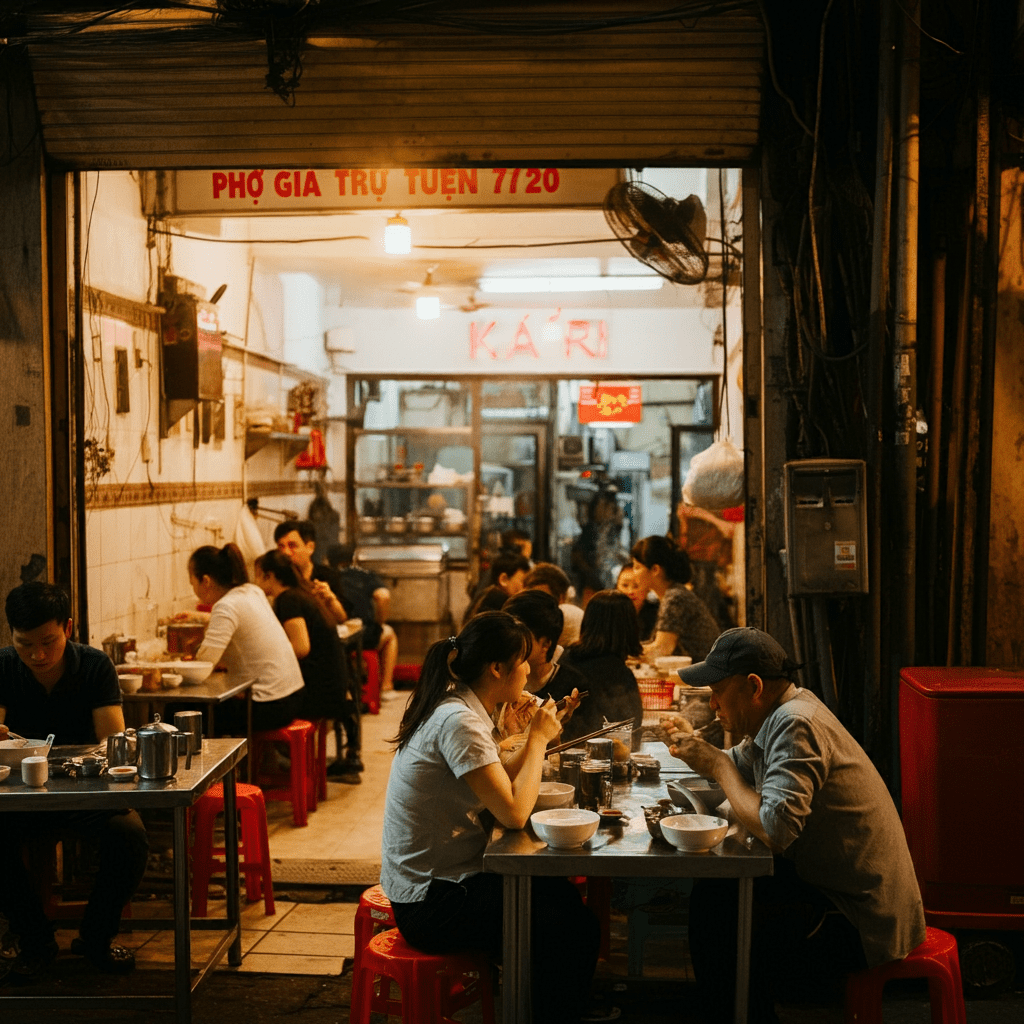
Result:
pixel 470 751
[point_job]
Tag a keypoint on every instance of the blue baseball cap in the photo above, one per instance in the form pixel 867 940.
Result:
pixel 740 651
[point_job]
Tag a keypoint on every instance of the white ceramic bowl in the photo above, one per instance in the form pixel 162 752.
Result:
pixel 191 671
pixel 12 753
pixel 565 828
pixel 694 833
pixel 670 663
pixel 130 683
pixel 709 792
pixel 5 770
pixel 170 680
pixel 554 794
pixel 122 772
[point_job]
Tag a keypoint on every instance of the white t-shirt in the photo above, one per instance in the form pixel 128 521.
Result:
pixel 245 634
pixel 572 616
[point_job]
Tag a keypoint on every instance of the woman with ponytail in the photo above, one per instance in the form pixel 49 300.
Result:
pixel 316 644
pixel 448 786
pixel 244 633
pixel 684 626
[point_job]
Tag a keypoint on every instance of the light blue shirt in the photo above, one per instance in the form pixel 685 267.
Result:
pixel 825 805
pixel 433 824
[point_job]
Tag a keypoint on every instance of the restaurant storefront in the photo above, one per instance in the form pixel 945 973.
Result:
pixel 640 92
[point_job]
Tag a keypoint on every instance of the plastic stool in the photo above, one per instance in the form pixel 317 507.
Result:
pixel 371 688
pixel 935 959
pixel 432 988
pixel 407 672
pixel 322 728
pixel 299 737
pixel 254 842
pixel 373 914
pixel 597 894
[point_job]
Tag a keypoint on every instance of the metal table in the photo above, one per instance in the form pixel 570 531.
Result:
pixel 623 851
pixel 217 762
pixel 214 690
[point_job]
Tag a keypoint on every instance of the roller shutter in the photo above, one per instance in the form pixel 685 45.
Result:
pixel 664 93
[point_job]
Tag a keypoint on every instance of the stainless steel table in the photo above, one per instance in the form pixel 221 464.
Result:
pixel 214 690
pixel 217 762
pixel 624 851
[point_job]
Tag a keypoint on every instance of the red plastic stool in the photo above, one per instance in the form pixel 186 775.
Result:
pixel 432 988
pixel 371 688
pixel 322 729
pixel 407 672
pixel 935 959
pixel 299 737
pixel 597 894
pixel 254 842
pixel 372 915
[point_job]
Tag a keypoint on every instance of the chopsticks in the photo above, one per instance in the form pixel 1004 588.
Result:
pixel 582 739
pixel 579 696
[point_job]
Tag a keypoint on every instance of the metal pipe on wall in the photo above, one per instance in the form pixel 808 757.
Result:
pixel 935 447
pixel 878 318
pixel 905 336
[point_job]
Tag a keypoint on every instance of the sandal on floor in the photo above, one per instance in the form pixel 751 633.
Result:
pixel 109 959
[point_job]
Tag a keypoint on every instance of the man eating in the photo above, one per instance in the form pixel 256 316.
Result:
pixel 48 684
pixel 844 894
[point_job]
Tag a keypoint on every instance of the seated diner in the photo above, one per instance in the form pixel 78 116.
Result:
pixel 447 786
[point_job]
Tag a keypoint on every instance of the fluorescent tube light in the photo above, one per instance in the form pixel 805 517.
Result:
pixel 636 283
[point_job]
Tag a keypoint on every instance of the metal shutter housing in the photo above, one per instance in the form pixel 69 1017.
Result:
pixel 667 93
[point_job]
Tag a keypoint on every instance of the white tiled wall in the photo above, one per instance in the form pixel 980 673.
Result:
pixel 140 555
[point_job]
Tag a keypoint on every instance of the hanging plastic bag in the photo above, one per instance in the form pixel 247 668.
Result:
pixel 247 536
pixel 715 479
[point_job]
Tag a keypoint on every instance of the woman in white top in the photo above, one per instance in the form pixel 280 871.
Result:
pixel 447 787
pixel 246 635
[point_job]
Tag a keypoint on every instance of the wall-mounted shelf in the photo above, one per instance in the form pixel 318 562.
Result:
pixel 257 439
pixel 411 485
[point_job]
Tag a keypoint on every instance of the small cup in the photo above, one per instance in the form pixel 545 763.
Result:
pixel 92 767
pixel 130 683
pixel 35 771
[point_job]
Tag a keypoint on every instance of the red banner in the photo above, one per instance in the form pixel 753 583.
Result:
pixel 614 403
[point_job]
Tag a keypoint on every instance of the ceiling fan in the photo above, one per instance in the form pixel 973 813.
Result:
pixel 471 305
pixel 415 286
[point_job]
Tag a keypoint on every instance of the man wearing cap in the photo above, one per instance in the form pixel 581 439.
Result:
pixel 844 894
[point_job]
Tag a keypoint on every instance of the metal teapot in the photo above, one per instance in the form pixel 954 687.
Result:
pixel 122 748
pixel 158 747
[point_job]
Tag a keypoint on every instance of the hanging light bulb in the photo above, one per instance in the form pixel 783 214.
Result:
pixel 428 302
pixel 428 307
pixel 397 236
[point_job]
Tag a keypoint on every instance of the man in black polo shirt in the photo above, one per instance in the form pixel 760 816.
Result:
pixel 50 684
pixel 296 538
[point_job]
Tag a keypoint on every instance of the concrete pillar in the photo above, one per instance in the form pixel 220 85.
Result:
pixel 26 548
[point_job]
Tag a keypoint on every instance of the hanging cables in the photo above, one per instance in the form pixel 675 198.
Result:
pixel 723 398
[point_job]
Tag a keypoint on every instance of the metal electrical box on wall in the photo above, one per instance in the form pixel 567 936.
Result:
pixel 191 349
pixel 826 526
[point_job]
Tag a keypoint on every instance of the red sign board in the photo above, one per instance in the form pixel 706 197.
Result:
pixel 610 403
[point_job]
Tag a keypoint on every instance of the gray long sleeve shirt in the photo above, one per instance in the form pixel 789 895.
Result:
pixel 824 804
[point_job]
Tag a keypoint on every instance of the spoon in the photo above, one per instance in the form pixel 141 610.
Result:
pixel 49 743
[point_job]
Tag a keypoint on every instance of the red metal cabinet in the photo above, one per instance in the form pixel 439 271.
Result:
pixel 962 760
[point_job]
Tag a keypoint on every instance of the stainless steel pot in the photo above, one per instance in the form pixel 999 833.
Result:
pixel 158 750
pixel 122 748
pixel 422 524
